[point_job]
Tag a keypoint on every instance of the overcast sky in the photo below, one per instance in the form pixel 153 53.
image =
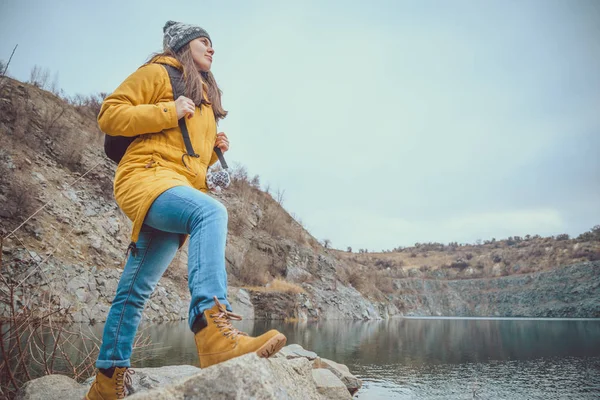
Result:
pixel 386 122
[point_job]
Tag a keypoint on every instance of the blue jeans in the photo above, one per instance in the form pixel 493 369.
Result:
pixel 179 210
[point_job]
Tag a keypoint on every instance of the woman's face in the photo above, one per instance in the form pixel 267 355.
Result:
pixel 202 53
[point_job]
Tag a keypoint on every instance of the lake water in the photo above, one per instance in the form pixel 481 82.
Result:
pixel 432 358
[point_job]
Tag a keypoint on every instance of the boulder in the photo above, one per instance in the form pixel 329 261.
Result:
pixel 246 377
pixel 297 351
pixel 51 387
pixel 342 372
pixel 329 385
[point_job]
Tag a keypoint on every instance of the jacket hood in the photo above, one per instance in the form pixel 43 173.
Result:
pixel 166 60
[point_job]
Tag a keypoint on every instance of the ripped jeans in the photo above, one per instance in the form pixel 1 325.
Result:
pixel 179 210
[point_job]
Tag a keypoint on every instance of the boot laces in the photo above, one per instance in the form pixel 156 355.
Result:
pixel 223 319
pixel 123 379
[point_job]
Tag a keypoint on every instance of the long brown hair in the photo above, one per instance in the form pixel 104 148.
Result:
pixel 197 82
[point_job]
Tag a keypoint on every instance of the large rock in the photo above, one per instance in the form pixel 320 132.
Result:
pixel 297 351
pixel 52 387
pixel 330 385
pixel 342 372
pixel 273 305
pixel 246 377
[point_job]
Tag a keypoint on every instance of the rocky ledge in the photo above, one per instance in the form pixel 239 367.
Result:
pixel 293 373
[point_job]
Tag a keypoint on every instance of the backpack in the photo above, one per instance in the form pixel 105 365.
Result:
pixel 116 146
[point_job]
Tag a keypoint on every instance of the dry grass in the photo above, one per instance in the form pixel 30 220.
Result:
pixel 255 268
pixel 277 286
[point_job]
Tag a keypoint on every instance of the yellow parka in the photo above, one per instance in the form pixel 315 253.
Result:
pixel 143 105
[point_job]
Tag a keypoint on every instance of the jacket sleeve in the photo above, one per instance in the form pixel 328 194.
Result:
pixel 134 108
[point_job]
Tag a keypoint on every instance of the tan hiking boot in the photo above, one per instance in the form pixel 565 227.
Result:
pixel 219 341
pixel 105 388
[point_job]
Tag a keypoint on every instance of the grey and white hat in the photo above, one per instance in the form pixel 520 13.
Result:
pixel 178 34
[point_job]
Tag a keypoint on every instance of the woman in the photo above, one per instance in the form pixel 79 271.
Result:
pixel 163 191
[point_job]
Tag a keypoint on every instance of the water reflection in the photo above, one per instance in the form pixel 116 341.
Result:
pixel 454 341
pixel 406 358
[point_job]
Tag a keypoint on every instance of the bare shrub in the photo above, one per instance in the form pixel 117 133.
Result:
pixel 591 235
pixel 51 120
pixel 384 263
pixel 271 219
pixel 255 181
pixel 88 104
pixel 241 186
pixel 239 173
pixel 24 199
pixel 39 77
pixel 22 112
pixel 69 148
pixel 280 196
pixel 34 345
pixel 370 284
pixel 276 222
pixel 254 269
pixel 54 87
pixel 357 280
pixel 459 264
pixel 587 254
pixel 384 284
pixel 236 222
pixel 536 252
pixel 21 199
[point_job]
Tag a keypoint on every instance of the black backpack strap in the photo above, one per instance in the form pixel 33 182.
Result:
pixel 221 158
pixel 178 85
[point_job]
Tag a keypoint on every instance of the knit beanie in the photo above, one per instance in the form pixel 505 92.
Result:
pixel 178 34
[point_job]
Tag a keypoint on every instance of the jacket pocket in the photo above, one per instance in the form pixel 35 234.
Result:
pixel 161 165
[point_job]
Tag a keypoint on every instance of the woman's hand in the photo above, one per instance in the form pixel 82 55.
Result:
pixel 222 142
pixel 184 106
